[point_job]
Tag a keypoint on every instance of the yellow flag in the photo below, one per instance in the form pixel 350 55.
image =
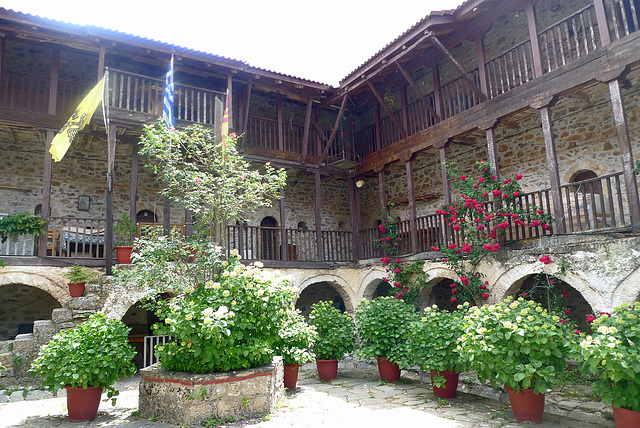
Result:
pixel 76 122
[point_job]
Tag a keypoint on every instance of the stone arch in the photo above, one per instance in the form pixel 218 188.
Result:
pixel 370 284
pixel 506 283
pixel 51 284
pixel 436 274
pixel 627 291
pixel 338 283
pixel 584 166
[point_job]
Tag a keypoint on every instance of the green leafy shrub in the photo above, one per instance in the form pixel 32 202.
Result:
pixel 21 224
pixel 95 353
pixel 433 341
pixel 228 322
pixel 612 353
pixel 336 331
pixel 125 230
pixel 296 339
pixel 77 273
pixel 516 343
pixel 383 328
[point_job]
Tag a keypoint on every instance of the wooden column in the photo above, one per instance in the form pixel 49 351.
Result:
pixel 552 165
pixel 492 151
pixel 2 40
pixel 166 215
pixel 354 212
pixel 101 60
pixel 318 214
pixel 603 24
pixel 382 190
pixel 413 224
pixel 482 71
pixel 247 103
pixel 188 222
pixel 376 109
pixel 280 130
pixel 446 185
pixel 241 239
pixel 108 232
pixel 437 95
pixel 230 93
pixel 533 36
pixel 218 112
pixel 46 190
pixel 283 227
pixel 53 89
pixel 404 108
pixel 133 195
pixel 307 128
pixel 624 145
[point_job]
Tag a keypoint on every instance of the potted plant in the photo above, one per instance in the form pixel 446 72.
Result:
pixel 125 230
pixel 336 337
pixel 296 339
pixel 77 277
pixel 382 328
pixel 520 345
pixel 86 360
pixel 612 353
pixel 21 224
pixel 433 343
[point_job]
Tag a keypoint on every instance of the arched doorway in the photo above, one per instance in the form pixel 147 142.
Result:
pixel 269 235
pixel 441 295
pixel 21 306
pixel 316 292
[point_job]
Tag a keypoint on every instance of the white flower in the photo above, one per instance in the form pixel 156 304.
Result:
pixel 207 312
pixel 226 293
pixel 234 252
pixel 258 264
pixel 221 312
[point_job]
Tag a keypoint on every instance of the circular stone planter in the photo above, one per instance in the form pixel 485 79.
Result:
pixel 189 399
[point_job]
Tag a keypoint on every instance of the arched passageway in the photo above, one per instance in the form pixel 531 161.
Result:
pixel 21 306
pixel 439 294
pixel 316 292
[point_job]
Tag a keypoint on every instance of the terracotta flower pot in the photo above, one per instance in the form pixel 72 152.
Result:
pixel 327 369
pixel 124 254
pixel 76 289
pixel 291 376
pixel 389 372
pixel 626 418
pixel 83 403
pixel 527 406
pixel 450 385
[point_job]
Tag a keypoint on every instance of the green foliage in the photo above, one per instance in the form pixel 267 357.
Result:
pixel 486 207
pixel 612 353
pixel 516 343
pixel 125 230
pixel 95 353
pixel 77 273
pixel 21 224
pixel 383 328
pixel 433 341
pixel 229 322
pixel 208 177
pixel 296 338
pixel 336 331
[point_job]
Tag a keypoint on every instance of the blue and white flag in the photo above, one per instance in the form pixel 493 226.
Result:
pixel 167 110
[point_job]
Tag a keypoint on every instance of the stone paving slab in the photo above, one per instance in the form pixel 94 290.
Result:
pixel 355 399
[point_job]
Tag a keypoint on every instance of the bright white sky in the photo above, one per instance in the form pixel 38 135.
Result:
pixel 321 40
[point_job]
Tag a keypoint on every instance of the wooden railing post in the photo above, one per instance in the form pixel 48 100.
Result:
pixel 108 231
pixel 603 24
pixel 46 192
pixel 533 36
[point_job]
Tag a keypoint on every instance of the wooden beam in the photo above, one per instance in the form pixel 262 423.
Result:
pixel 335 129
pixel 101 59
pixel 413 224
pixel 458 67
pixel 283 228
pixel 492 152
pixel 53 88
pixel 418 92
pixel 279 117
pixel 46 190
pixel 133 194
pixel 378 128
pixel 533 37
pixel 482 71
pixel 437 94
pixel 307 130
pixel 230 103
pixel 404 108
pixel 318 217
pixel 552 166
pixel 354 213
pixel 108 230
pixel 245 123
pixel 603 23
pixel 392 116
pixel 382 191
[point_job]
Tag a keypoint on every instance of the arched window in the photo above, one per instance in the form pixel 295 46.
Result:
pixel 146 216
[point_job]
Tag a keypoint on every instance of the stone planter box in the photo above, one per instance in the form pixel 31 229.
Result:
pixel 188 399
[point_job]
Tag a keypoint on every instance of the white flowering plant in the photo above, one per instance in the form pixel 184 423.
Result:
pixel 433 341
pixel 296 339
pixel 612 353
pixel 229 322
pixel 516 343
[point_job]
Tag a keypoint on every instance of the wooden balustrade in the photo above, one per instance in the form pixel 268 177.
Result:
pixel 623 17
pixel 458 96
pixel 510 69
pixel 79 237
pixel 569 39
pixel 24 91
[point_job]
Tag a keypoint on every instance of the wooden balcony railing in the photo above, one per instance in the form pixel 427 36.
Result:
pixel 569 39
pixel 623 17
pixel 264 133
pixel 457 95
pixel 78 237
pixel 509 70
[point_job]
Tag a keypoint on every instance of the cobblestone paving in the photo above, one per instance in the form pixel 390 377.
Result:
pixel 355 399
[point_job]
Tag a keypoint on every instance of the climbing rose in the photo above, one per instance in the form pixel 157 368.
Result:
pixel 591 319
pixel 463 177
pixel 545 259
pixel 485 296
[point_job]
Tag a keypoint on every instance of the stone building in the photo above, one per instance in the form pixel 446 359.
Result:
pixel 546 89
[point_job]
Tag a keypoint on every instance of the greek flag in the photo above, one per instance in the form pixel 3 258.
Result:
pixel 167 110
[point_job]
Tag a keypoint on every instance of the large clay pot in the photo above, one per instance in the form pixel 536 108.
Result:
pixel 626 418
pixel 450 385
pixel 83 403
pixel 327 369
pixel 291 376
pixel 389 372
pixel 76 289
pixel 527 406
pixel 124 254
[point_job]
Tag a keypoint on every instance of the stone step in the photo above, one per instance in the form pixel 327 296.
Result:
pixel 6 346
pixel 59 315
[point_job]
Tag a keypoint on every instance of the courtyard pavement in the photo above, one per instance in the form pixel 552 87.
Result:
pixel 355 399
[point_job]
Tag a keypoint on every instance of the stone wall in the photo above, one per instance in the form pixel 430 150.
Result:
pixel 190 399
